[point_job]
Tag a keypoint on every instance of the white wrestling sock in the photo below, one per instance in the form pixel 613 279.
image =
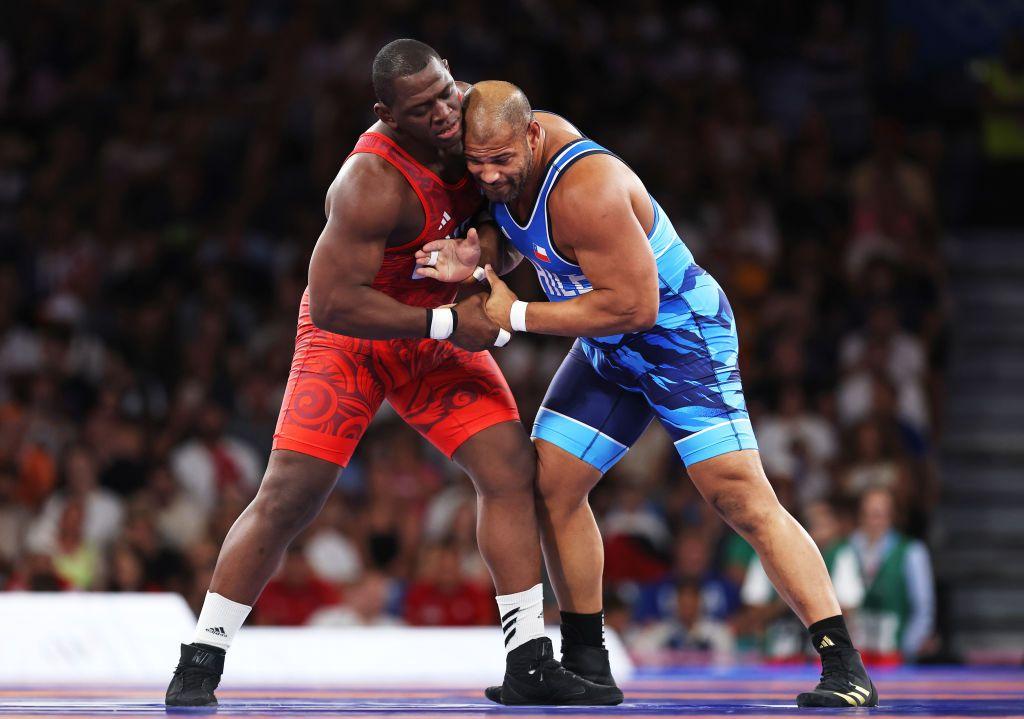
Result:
pixel 219 621
pixel 522 616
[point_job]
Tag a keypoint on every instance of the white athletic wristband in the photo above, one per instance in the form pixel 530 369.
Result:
pixel 503 337
pixel 517 316
pixel 480 274
pixel 442 323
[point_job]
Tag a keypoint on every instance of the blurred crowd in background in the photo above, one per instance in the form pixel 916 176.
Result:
pixel 162 173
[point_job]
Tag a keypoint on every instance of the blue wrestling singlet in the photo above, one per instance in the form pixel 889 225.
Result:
pixel 683 370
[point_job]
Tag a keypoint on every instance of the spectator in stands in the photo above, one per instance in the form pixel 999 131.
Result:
pixel 873 459
pixel 211 461
pixel 892 200
pixel 636 536
pixel 366 604
pixel 692 563
pixel 689 627
pixel 180 520
pixel 76 560
pixel 884 350
pixel 102 511
pixel 329 550
pixel 897 615
pixel 295 593
pixel 441 596
pixel 797 444
pixel 164 566
pixel 36 466
pixel 125 571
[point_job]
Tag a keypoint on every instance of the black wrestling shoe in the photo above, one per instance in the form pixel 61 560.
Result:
pixel 533 677
pixel 844 683
pixel 591 663
pixel 196 676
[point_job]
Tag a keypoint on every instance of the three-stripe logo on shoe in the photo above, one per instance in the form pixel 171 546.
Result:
pixel 857 697
pixel 826 642
pixel 508 623
pixel 218 631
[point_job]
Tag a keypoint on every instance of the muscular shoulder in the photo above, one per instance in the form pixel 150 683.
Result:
pixel 366 180
pixel 591 186
pixel 599 197
pixel 369 192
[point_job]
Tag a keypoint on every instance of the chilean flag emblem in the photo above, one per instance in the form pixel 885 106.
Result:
pixel 541 254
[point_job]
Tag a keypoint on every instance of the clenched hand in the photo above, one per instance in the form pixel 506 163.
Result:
pixel 476 331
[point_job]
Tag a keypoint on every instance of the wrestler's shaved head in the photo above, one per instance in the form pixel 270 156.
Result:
pixel 494 108
pixel 501 137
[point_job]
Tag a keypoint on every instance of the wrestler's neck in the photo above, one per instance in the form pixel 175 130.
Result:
pixel 430 156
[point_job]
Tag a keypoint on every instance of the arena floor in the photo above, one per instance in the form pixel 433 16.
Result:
pixel 768 692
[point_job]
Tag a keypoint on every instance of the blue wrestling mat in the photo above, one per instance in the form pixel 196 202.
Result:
pixel 762 691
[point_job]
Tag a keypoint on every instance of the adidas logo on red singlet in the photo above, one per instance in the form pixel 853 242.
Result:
pixel 445 219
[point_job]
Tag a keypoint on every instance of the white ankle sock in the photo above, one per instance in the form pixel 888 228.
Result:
pixel 522 616
pixel 219 621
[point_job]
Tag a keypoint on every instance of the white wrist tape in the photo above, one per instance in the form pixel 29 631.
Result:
pixel 432 260
pixel 480 274
pixel 442 323
pixel 517 316
pixel 503 337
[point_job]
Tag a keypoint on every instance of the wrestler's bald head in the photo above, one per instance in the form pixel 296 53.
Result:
pixel 495 109
pixel 500 139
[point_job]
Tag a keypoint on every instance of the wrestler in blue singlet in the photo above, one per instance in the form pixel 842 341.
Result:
pixel 683 370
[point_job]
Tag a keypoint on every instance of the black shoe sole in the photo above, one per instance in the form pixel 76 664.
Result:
pixel 177 703
pixel 494 694
pixel 830 700
pixel 810 700
pixel 609 696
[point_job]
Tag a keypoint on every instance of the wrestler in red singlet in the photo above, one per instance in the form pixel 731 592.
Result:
pixel 337 383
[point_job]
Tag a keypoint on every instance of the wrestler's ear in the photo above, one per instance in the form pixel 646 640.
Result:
pixel 385 115
pixel 533 134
